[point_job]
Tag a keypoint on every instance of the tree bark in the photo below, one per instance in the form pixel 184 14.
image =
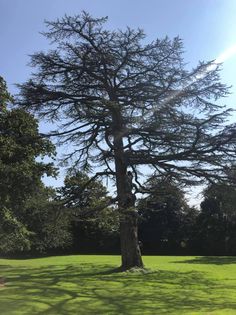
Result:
pixel 130 251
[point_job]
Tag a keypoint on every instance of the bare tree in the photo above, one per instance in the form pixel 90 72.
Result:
pixel 124 103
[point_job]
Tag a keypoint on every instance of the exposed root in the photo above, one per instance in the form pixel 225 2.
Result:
pixel 137 270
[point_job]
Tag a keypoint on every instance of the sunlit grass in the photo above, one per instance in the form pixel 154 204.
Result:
pixel 89 285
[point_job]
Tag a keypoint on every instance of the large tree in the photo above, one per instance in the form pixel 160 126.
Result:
pixel 124 103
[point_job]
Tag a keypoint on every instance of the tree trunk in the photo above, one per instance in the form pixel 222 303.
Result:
pixel 130 251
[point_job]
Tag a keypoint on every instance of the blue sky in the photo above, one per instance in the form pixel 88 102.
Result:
pixel 207 27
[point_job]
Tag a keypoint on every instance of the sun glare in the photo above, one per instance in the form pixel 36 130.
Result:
pixel 225 55
pixel 228 53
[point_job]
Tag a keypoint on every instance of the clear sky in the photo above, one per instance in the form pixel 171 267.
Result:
pixel 207 27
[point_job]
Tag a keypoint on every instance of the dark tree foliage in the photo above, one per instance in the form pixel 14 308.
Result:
pixel 124 103
pixel 216 224
pixel 94 224
pixel 24 201
pixel 165 218
pixel 49 223
pixel 81 193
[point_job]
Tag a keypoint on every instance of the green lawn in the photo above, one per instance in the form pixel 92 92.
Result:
pixel 88 285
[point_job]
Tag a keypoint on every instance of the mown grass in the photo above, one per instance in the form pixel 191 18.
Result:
pixel 90 285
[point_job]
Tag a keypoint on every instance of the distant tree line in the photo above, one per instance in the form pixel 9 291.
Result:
pixel 167 224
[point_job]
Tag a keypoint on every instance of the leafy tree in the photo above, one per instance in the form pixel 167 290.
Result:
pixel 5 96
pixel 20 179
pixel 216 224
pixel 49 223
pixel 124 103
pixel 95 225
pixel 82 194
pixel 165 218
pixel 13 234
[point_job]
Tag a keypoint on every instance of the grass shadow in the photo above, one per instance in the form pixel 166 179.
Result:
pixel 101 289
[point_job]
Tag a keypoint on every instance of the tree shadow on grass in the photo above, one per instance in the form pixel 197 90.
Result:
pixel 98 289
pixel 213 260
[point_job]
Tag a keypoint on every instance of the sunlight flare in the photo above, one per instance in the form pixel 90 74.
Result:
pixel 225 55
